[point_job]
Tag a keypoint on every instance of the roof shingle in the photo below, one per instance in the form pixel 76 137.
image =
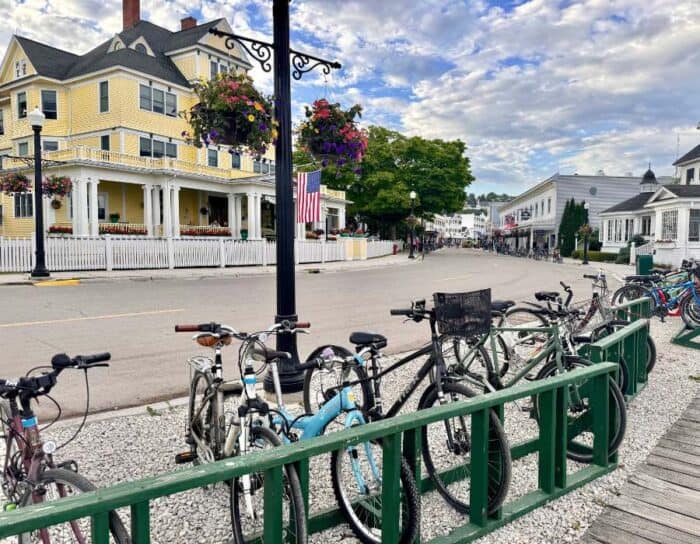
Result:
pixel 633 204
pixel 689 156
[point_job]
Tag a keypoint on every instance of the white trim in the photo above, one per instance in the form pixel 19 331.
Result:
pixel 113 46
pixel 209 50
pixel 142 41
pixel 134 75
pixel 23 142
pixel 41 99
pixel 16 116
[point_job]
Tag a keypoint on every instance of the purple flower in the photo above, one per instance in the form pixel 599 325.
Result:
pixel 262 127
pixel 324 163
pixel 274 142
pixel 213 134
pixel 358 171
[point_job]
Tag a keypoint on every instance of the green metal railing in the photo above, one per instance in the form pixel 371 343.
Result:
pixel 401 433
pixel 633 310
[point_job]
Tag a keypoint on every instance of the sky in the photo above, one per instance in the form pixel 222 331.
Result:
pixel 532 87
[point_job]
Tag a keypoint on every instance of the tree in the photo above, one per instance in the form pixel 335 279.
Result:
pixel 574 216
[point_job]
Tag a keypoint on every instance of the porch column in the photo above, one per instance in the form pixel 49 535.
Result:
pixel 148 208
pixel 74 200
pixel 532 236
pixel 232 215
pixel 258 216
pixel 251 216
pixel 94 213
pixel 155 212
pixel 238 202
pixel 83 208
pixel 341 216
pixel 175 225
pixel 167 212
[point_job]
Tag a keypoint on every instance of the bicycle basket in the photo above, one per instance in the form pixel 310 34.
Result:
pixel 463 314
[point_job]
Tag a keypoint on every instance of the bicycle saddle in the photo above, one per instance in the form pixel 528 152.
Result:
pixel 547 295
pixel 500 306
pixel 377 341
pixel 642 277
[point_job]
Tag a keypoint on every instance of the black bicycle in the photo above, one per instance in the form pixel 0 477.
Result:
pixel 446 445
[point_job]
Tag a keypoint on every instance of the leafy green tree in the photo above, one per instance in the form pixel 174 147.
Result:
pixel 573 217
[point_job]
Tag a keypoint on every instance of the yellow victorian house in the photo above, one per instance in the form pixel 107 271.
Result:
pixel 113 126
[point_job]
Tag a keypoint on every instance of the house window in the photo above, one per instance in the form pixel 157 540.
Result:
pixel 694 226
pixel 49 105
pixel 171 150
pixel 629 229
pixel 170 105
pixel 22 105
pixel 213 69
pixel 24 68
pixel 24 205
pixel 158 149
pixel 140 48
pixel 18 69
pixel 158 101
pixel 669 225
pixel 145 147
pixel 23 149
pixel 272 167
pixel 104 142
pixel 646 225
pixel 104 96
pixel 689 175
pixel 235 160
pixel 49 145
pixel 213 158
pixel 2 122
pixel 0 214
pixel 150 147
pixel 549 205
pixel 257 167
pixel 145 99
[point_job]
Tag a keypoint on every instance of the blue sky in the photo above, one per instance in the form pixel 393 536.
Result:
pixel 532 86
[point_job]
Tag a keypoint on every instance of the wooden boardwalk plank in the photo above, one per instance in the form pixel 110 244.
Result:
pixel 679 446
pixel 677 455
pixel 671 476
pixel 657 515
pixel 611 534
pixel 670 464
pixel 681 437
pixel 645 528
pixel 644 480
pixel 675 502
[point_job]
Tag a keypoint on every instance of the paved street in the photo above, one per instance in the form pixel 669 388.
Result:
pixel 134 319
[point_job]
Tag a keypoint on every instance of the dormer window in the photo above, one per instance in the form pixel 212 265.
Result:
pixel 20 68
pixel 140 48
pixel 140 45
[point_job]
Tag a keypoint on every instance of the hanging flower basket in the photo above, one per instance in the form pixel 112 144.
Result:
pixel 15 183
pixel 231 111
pixel 57 186
pixel 56 204
pixel 331 135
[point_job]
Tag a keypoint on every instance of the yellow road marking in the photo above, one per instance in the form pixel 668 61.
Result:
pixel 71 319
pixel 56 283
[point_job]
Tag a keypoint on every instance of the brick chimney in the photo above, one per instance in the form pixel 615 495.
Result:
pixel 131 13
pixel 188 22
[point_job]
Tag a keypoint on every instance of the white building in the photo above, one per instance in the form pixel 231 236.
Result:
pixel 446 226
pixel 667 215
pixel 473 222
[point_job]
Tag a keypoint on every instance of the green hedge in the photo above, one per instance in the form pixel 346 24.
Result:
pixel 596 256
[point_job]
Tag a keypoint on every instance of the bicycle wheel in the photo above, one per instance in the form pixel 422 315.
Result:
pixel 631 291
pixel 612 326
pixel 247 509
pixel 205 426
pixel 356 473
pixel 579 445
pixel 651 354
pixel 525 344
pixel 319 382
pixel 446 449
pixel 463 358
pixel 57 484
pixel 690 311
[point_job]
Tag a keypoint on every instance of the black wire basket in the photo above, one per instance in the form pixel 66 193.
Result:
pixel 463 314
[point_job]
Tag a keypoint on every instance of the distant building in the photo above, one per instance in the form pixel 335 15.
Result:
pixel 445 226
pixel 473 222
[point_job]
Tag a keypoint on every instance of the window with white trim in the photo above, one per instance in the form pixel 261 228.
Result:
pixel 213 157
pixel 104 142
pixel 24 204
pixel 49 104
pixel 694 226
pixel 669 225
pixel 235 161
pixel 549 205
pixel 104 96
pixel 49 145
pixel 21 105
pixel 23 149
pixel 153 147
pixel 646 225
pixel 216 67
pixel 157 100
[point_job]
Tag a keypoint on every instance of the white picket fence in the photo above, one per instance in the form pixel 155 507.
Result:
pixel 133 253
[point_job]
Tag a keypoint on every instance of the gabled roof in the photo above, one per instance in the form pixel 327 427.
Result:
pixel 47 61
pixel 58 64
pixel 685 191
pixel 689 156
pixel 634 204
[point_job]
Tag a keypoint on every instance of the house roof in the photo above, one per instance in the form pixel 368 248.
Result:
pixel 636 203
pixel 689 156
pixel 684 191
pixel 648 177
pixel 58 64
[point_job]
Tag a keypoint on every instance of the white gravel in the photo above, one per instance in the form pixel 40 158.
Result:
pixel 127 448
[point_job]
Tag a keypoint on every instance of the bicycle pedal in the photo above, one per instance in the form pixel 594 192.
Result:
pixel 184 457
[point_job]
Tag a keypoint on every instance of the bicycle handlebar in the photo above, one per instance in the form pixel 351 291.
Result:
pixel 590 276
pixel 202 327
pixel 406 312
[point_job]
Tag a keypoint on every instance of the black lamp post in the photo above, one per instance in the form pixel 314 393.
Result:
pixel 291 380
pixel 585 235
pixel 36 120
pixel 411 254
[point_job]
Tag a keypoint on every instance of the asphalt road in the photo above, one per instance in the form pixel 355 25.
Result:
pixel 134 319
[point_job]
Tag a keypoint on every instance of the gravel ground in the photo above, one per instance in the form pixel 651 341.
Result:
pixel 127 448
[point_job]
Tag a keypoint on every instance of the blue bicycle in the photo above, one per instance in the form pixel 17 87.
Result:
pixel 356 471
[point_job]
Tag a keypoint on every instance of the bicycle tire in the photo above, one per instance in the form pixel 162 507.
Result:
pixel 618 411
pixel 208 426
pixel 61 476
pixel 499 453
pixel 410 499
pixel 312 403
pixel 525 317
pixel 297 530
pixel 651 345
pixel 632 291
pixel 690 311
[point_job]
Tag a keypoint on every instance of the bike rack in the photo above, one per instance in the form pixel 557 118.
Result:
pixel 687 338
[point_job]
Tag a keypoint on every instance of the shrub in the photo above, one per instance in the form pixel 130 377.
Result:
pixel 597 256
pixel 623 257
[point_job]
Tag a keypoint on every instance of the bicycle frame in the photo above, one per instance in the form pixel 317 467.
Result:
pixel 684 288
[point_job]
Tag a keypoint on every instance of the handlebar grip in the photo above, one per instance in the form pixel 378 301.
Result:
pixel 313 363
pixel 302 325
pixel 186 328
pixel 401 312
pixel 590 276
pixel 566 287
pixel 96 358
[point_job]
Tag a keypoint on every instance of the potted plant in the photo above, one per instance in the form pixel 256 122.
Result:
pixel 231 111
pixel 57 186
pixel 56 204
pixel 14 183
pixel 114 217
pixel 332 135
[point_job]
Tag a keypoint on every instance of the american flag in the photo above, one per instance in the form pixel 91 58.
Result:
pixel 308 197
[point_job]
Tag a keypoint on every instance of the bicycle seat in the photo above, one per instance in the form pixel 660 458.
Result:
pixel 271 354
pixel 500 306
pixel 582 338
pixel 377 341
pixel 547 295
pixel 642 277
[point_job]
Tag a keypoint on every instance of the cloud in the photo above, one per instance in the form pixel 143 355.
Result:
pixel 533 87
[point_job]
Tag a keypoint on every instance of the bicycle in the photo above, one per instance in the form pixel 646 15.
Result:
pixel 31 474
pixel 212 437
pixel 445 446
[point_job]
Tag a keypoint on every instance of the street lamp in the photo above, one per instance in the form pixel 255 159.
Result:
pixel 412 195
pixel 586 205
pixel 36 120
